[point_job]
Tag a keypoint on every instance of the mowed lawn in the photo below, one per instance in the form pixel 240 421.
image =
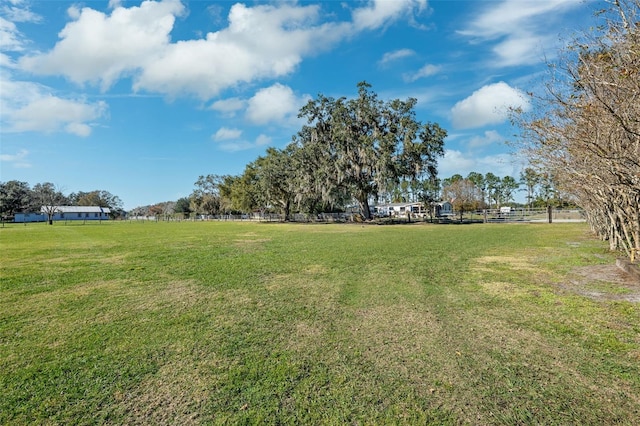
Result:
pixel 255 323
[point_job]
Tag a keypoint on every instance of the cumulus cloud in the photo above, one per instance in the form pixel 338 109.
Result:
pixel 99 48
pixel 226 134
pixel 18 160
pixel 260 42
pixel 229 106
pixel 30 107
pixel 490 137
pixel 51 114
pixel 488 105
pixel 463 163
pixel 78 129
pixel 520 29
pixel 277 103
pixel 426 71
pixel 243 145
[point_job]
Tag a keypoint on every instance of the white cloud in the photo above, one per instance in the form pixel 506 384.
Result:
pixel 78 129
pixel 512 16
pixel 50 114
pixel 262 140
pixel 260 42
pixel 30 107
pixel 395 56
pixel 10 37
pixel 463 163
pixel 520 28
pixel 454 162
pixel 277 103
pixel 100 49
pixel 243 145
pixel 426 71
pixel 521 50
pixel 18 160
pixel 225 133
pixel 5 61
pixel 490 137
pixel 229 106
pixel 19 11
pixel 488 105
pixel 380 12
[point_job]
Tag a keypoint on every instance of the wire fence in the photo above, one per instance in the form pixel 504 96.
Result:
pixel 486 216
pixel 255 217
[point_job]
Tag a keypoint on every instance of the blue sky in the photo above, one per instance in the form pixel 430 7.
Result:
pixel 140 98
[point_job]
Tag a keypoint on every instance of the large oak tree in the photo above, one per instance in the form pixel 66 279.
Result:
pixel 364 145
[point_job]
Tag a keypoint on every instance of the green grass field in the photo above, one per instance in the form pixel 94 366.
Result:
pixel 192 323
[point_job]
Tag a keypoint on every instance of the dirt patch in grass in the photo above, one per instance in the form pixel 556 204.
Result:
pixel 603 282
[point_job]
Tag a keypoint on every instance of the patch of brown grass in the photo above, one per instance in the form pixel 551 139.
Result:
pixel 485 263
pixel 250 245
pixel 174 395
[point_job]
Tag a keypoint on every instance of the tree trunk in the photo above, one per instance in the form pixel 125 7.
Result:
pixel 364 206
pixel 287 211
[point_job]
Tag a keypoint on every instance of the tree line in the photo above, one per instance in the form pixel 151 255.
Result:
pixel 18 197
pixel 350 153
pixel 216 195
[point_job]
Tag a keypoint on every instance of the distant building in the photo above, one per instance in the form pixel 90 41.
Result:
pixel 444 209
pixel 66 213
pixel 400 209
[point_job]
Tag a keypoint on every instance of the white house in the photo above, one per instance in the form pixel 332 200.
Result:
pixel 401 209
pixel 444 209
pixel 66 213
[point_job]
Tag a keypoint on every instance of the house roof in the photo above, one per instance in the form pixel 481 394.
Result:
pixel 79 209
pixel 398 205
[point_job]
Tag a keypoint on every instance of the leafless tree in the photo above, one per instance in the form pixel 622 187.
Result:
pixel 49 197
pixel 586 128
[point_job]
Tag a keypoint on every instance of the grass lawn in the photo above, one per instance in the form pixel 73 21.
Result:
pixel 191 323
